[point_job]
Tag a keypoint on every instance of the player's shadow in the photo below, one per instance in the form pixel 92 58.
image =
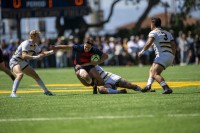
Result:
pixel 76 94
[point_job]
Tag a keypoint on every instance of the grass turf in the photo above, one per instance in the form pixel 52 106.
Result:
pixel 84 112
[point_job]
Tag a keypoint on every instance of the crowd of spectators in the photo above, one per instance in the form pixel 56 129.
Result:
pixel 121 51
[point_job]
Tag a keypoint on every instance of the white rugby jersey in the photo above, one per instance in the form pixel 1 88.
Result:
pixel 162 40
pixel 26 46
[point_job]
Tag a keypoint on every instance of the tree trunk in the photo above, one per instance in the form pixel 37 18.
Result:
pixel 151 4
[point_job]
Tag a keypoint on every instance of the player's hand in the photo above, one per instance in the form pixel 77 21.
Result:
pixel 41 55
pixel 140 54
pixel 94 63
pixel 77 67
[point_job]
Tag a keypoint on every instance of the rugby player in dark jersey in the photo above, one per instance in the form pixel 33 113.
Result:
pixel 4 68
pixel 84 67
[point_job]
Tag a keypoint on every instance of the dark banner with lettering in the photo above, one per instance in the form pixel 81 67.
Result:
pixel 43 8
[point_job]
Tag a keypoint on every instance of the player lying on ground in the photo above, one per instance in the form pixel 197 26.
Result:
pixel 28 50
pixel 112 81
pixel 83 54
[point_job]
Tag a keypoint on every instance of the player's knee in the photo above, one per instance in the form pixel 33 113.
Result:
pixel 129 85
pixel 82 73
pixel 102 90
pixel 19 75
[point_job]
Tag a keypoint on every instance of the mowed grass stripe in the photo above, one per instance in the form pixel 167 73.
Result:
pixel 87 89
pixel 96 117
pixel 39 91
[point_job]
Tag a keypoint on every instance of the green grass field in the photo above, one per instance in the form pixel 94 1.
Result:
pixel 75 109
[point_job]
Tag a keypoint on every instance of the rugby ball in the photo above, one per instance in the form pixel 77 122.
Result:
pixel 95 57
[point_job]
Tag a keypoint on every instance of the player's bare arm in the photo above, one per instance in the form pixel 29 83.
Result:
pixel 102 59
pixel 47 53
pixel 26 56
pixel 147 45
pixel 61 47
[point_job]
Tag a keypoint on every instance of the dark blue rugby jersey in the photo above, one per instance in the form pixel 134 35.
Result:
pixel 81 56
pixel 1 56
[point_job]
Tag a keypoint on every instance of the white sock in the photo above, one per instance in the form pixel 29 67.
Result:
pixel 150 81
pixel 112 91
pixel 15 85
pixel 41 84
pixel 163 83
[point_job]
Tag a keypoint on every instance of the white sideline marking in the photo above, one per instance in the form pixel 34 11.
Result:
pixel 96 117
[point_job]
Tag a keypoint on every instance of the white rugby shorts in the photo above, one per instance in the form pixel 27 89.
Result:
pixel 112 79
pixel 165 59
pixel 14 62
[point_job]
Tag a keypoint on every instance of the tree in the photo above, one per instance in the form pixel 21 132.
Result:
pixel 151 4
pixel 79 23
pixel 72 24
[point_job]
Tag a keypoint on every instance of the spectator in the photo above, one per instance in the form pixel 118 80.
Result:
pixel 197 49
pixel 132 49
pixel 143 60
pixel 107 49
pixel 60 54
pixel 44 47
pixel 118 51
pixel 190 51
pixel 183 49
pixel 11 48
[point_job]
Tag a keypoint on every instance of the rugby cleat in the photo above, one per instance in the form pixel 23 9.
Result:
pixel 138 88
pixel 48 93
pixel 123 91
pixel 167 91
pixel 13 95
pixel 147 89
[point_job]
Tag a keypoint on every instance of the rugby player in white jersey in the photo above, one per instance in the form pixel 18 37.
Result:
pixel 28 50
pixel 164 46
pixel 112 81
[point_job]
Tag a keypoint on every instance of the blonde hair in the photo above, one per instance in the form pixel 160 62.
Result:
pixel 33 33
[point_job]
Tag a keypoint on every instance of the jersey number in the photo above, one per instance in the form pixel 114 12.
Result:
pixel 165 35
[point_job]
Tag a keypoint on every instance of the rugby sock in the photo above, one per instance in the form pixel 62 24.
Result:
pixel 15 85
pixel 163 84
pixel 150 81
pixel 41 84
pixel 112 91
